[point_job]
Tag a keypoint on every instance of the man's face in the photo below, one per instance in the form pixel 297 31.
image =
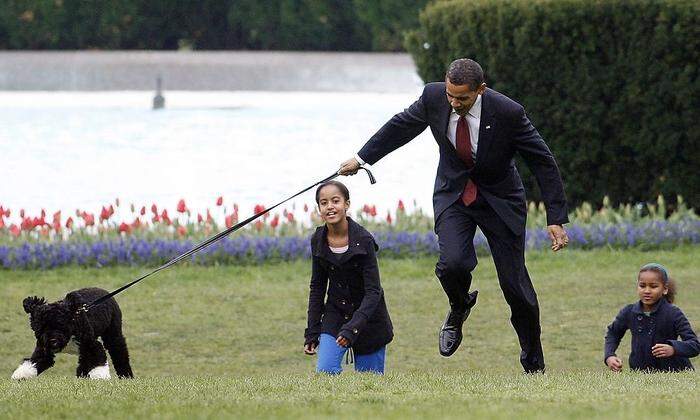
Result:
pixel 461 97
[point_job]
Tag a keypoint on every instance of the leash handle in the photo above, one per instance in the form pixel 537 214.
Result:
pixel 211 240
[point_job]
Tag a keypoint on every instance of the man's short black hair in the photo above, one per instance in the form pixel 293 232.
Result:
pixel 465 71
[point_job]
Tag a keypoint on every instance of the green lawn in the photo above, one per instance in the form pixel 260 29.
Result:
pixel 225 341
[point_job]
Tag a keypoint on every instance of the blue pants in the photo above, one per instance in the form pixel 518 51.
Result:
pixel 330 357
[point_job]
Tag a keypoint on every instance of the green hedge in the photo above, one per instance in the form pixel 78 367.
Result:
pixel 346 25
pixel 612 85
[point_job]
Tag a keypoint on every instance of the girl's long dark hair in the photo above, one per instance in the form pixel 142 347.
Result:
pixel 670 284
pixel 343 189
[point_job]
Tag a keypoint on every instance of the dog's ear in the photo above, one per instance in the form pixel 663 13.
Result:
pixel 73 300
pixel 30 303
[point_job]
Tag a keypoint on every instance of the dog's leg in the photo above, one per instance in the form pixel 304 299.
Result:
pixel 32 367
pixel 92 361
pixel 116 346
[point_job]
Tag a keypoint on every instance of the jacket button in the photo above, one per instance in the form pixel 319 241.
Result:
pixel 354 330
pixel 347 316
pixel 639 318
pixel 342 302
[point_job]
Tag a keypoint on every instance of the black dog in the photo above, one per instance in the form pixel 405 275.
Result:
pixel 59 326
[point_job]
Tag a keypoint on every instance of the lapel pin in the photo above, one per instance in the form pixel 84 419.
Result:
pixel 488 126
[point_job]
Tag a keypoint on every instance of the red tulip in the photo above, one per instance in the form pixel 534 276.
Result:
pixel 154 209
pixel 209 218
pixel 69 223
pixel 388 217
pixel 143 210
pixel 57 221
pixel 401 206
pixel 155 219
pixel 181 230
pixel 235 207
pixel 181 207
pixel 275 221
pixel 366 209
pixel 2 222
pixel 259 208
pixel 21 213
pixel 7 212
pixel 14 230
pixel 2 211
pixel 373 211
pixel 111 210
pixel 200 219
pixel 124 228
pixel 290 217
pixel 220 201
pixel 136 223
pixel 27 224
pixel 258 224
pixel 306 208
pixel 104 214
pixel 229 221
pixel 89 219
pixel 166 218
pixel 43 213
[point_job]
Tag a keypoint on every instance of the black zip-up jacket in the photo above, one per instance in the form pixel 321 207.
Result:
pixel 663 325
pixel 355 306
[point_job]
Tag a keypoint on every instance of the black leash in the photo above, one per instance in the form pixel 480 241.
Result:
pixel 210 241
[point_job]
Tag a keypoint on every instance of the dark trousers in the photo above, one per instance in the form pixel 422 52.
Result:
pixel 455 228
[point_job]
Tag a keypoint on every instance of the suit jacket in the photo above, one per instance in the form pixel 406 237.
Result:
pixel 504 130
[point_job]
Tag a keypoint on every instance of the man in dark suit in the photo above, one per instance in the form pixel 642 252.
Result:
pixel 478 131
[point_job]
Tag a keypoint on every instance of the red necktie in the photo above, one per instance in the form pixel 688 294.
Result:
pixel 464 151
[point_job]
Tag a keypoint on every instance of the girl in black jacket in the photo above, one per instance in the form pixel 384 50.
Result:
pixel 344 264
pixel 655 324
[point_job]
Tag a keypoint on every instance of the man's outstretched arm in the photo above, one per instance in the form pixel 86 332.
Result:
pixel 399 130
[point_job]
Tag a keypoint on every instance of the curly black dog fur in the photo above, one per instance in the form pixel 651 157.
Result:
pixel 56 324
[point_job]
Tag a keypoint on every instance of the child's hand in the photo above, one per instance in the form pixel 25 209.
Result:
pixel 614 363
pixel 662 350
pixel 342 341
pixel 310 349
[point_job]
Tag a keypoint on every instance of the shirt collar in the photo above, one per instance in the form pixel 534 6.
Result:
pixel 638 308
pixel 474 111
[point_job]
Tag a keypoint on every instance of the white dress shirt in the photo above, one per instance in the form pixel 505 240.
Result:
pixel 473 118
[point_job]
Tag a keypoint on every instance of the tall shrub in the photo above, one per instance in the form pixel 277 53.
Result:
pixel 612 85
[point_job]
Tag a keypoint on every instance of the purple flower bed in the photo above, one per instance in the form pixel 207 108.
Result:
pixel 246 249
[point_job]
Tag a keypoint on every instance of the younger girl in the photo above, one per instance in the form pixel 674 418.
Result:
pixel 655 324
pixel 354 315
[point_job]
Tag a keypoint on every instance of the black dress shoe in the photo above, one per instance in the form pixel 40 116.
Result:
pixel 451 331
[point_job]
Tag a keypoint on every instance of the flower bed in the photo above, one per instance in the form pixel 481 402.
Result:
pixel 248 249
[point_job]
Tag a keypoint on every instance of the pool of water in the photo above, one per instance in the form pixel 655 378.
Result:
pixel 81 150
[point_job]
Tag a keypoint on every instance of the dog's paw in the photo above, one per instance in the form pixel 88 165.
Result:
pixel 25 371
pixel 100 372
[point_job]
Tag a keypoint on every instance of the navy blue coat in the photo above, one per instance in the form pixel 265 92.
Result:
pixel 355 307
pixel 504 131
pixel 665 324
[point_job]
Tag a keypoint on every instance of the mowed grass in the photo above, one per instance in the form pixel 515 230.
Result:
pixel 227 341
